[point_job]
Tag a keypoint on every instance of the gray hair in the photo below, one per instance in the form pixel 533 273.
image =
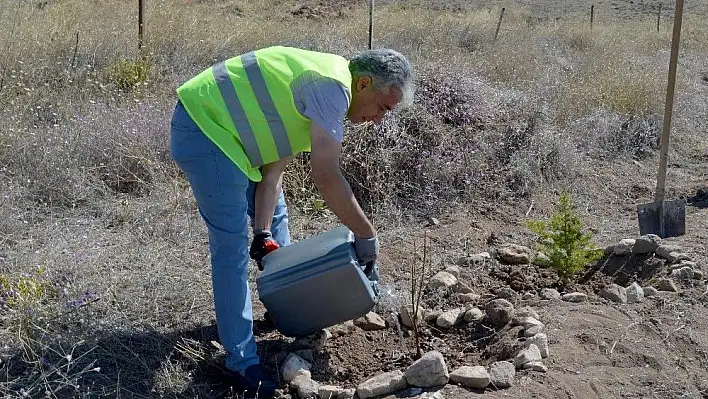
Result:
pixel 387 68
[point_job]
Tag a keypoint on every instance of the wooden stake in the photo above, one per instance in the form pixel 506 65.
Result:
pixel 592 16
pixel 658 18
pixel 371 24
pixel 496 33
pixel 76 49
pixel 668 109
pixel 141 23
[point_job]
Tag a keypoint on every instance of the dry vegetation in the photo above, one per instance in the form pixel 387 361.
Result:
pixel 90 197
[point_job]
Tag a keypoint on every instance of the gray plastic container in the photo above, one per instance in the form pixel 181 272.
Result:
pixel 315 283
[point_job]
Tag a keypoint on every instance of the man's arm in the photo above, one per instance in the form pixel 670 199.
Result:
pixel 267 193
pixel 334 188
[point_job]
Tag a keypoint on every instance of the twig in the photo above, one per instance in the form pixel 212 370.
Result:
pixel 496 33
pixel 530 208
pixel 669 334
pixel 417 283
pixel 76 49
pixel 632 324
pixel 74 309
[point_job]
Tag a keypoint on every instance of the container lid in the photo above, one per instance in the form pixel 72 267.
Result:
pixel 304 251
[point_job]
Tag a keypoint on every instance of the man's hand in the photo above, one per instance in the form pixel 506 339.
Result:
pixel 263 243
pixel 367 249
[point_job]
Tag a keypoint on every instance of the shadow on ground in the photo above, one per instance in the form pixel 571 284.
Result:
pixel 187 363
pixel 700 200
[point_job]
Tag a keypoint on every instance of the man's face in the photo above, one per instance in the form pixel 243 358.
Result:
pixel 369 104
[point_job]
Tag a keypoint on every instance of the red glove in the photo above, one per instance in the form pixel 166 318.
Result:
pixel 263 243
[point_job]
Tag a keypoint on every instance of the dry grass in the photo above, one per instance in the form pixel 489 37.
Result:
pixel 87 189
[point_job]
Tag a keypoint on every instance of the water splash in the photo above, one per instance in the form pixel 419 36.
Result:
pixel 390 297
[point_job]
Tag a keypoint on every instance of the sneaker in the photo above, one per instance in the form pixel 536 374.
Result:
pixel 255 382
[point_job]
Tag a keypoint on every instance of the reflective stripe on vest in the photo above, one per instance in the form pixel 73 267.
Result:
pixel 265 102
pixel 228 93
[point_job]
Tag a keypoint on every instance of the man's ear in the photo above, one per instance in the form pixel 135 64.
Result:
pixel 362 83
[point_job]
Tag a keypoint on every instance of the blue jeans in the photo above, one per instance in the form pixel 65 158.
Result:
pixel 225 197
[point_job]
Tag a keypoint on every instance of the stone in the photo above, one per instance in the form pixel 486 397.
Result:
pixel 303 372
pixel 542 260
pixel 536 366
pixel 528 296
pixel 475 377
pixel 293 364
pixel 475 259
pixel 454 270
pixel 449 318
pixel 305 387
pixel 382 384
pixel 650 291
pixel 684 273
pixel 635 293
pixel 672 257
pixel 609 250
pixel 550 293
pixel 532 330
pixel 526 311
pixel 462 288
pixel 473 315
pixel 329 392
pixel 666 284
pixel 697 274
pixel 624 247
pixel 646 244
pixel 467 298
pixel 393 322
pixel 680 256
pixel 307 354
pixel 431 316
pixel 371 321
pixel 432 395
pixel 412 392
pixel 428 371
pixel 688 263
pixel 433 221
pixel 541 341
pixel 501 374
pixel 483 256
pixel 615 293
pixel 500 311
pixel 524 321
pixel 514 254
pixel 406 312
pixel 665 251
pixel 314 341
pixel 342 329
pixel 531 321
pixel 442 280
pixel 575 297
pixel 530 354
pixel 507 293
pixel 346 393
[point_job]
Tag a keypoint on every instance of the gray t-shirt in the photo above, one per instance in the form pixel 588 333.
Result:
pixel 322 100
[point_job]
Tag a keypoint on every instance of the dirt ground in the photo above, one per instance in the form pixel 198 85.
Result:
pixel 658 348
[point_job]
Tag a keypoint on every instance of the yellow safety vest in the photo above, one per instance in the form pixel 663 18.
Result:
pixel 245 104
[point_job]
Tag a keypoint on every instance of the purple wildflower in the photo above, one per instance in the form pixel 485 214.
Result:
pixel 85 298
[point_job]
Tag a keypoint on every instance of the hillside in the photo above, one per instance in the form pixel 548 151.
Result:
pixel 105 284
